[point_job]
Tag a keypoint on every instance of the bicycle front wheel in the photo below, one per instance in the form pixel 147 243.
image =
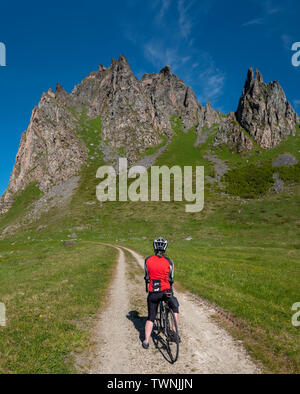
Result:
pixel 172 335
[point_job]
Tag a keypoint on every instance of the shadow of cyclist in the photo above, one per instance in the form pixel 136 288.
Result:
pixel 138 322
pixel 159 342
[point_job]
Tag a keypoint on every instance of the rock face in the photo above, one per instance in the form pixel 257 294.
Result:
pixel 133 113
pixel 263 113
pixel 231 134
pixel 49 152
pixel 169 95
pixel 209 116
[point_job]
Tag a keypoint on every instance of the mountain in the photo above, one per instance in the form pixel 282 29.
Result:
pixel 263 117
pixel 134 115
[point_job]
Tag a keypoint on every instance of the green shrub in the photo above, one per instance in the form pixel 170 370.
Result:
pixel 289 174
pixel 250 181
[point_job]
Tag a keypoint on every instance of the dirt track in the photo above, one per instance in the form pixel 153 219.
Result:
pixel 205 347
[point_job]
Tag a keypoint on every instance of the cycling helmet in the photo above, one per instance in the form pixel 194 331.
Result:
pixel 160 245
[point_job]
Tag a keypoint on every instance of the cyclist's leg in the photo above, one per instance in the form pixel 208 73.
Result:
pixel 152 301
pixel 174 305
pixel 148 330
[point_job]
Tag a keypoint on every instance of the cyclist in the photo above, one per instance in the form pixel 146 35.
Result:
pixel 159 273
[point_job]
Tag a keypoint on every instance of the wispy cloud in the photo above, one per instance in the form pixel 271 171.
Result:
pixel 184 21
pixel 267 9
pixel 165 4
pixel 160 55
pixel 213 83
pixel 256 21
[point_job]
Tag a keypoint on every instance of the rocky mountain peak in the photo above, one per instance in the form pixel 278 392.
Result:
pixel 263 116
pixel 60 92
pixel 101 68
pixel 258 76
pixel 166 70
pixel 264 111
pixel 121 64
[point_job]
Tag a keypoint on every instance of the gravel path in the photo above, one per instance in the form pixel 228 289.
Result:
pixel 205 347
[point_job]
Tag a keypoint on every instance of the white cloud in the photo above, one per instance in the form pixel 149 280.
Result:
pixel 165 4
pixel 256 21
pixel 160 55
pixel 184 21
pixel 267 10
pixel 212 81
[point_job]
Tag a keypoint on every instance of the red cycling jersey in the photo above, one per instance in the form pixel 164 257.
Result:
pixel 160 271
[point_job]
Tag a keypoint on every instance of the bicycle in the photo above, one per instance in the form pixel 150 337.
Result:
pixel 166 324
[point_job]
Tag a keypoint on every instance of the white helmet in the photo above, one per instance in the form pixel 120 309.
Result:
pixel 160 245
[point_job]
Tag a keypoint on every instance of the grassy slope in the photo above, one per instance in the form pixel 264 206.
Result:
pixel 244 256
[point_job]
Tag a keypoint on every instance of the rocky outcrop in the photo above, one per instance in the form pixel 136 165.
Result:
pixel 169 96
pixel 49 152
pixel 128 117
pixel 232 134
pixel 133 113
pixel 209 116
pixel 263 112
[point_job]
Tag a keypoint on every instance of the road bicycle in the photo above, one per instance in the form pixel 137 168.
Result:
pixel 165 329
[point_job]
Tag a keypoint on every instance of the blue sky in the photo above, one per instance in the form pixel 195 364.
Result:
pixel 208 43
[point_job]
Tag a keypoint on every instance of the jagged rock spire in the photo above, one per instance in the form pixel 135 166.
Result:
pixel 258 76
pixel 264 111
pixel 166 70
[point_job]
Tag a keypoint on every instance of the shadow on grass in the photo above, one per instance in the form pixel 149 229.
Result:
pixel 157 337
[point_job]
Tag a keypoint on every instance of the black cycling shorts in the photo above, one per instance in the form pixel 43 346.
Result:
pixel 154 299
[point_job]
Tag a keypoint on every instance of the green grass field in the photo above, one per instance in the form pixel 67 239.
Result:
pixel 244 256
pixel 51 293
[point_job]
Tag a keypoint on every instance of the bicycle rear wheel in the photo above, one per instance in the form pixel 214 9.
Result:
pixel 172 335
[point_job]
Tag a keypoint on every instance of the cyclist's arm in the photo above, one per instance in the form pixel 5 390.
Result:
pixel 146 277
pixel 171 273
